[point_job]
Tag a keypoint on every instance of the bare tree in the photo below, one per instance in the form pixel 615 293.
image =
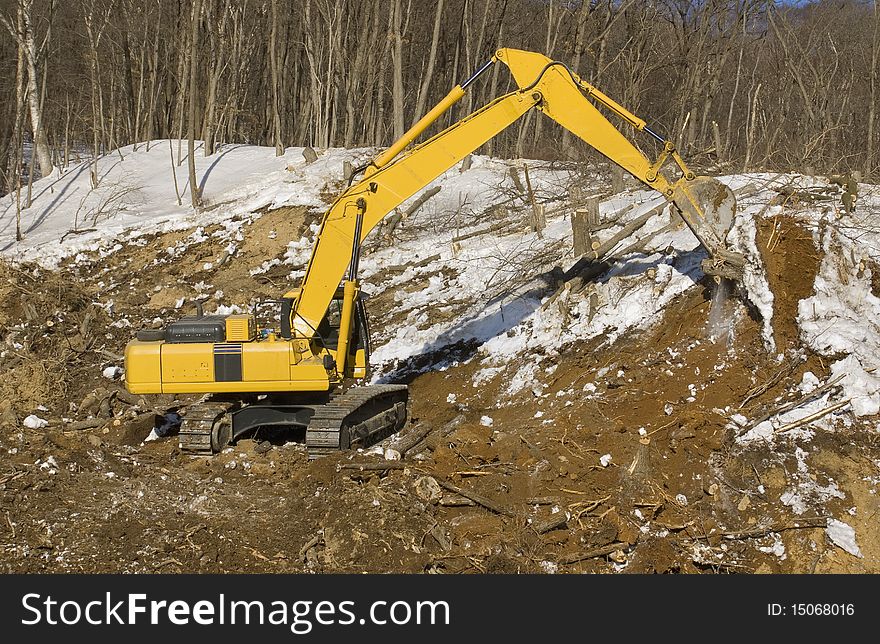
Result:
pixel 195 193
pixel 273 61
pixel 428 73
pixel 346 72
pixel 397 70
pixel 872 104
pixel 23 33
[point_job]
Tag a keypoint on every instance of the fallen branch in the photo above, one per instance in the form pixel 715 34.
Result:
pixel 10 477
pixel 806 420
pixel 640 244
pixel 424 262
pixel 761 389
pixel 378 466
pixel 601 551
pixel 418 203
pixel 78 232
pixel 89 423
pixel 753 533
pixel 479 499
pixel 786 407
pixel 483 231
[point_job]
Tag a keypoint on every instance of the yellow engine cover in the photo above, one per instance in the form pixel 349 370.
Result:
pixel 221 367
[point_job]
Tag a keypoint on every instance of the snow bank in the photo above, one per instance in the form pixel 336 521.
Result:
pixel 843 316
pixel 742 239
pixel 136 196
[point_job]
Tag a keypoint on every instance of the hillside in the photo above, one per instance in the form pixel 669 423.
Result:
pixel 632 417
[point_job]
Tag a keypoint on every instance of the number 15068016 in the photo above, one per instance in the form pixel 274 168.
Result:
pixel 811 610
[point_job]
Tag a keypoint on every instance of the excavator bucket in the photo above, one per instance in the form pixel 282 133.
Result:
pixel 708 207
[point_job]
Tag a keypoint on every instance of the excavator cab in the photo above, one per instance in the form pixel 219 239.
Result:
pixel 325 340
pixel 327 336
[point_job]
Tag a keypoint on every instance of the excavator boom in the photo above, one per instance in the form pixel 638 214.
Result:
pixel 706 205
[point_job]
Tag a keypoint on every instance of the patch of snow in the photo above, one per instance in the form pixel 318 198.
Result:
pixel 742 239
pixel 806 491
pixel 777 547
pixel 112 372
pixel 844 536
pixel 843 316
pixel 35 422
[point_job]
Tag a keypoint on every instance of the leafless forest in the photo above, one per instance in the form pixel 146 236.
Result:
pixel 742 84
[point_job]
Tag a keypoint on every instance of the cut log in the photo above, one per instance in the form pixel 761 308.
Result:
pixel 479 499
pixel 558 520
pixel 413 438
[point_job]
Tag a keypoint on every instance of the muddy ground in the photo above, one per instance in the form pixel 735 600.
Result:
pixel 679 496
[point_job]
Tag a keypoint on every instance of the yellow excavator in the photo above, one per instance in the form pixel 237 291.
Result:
pixel 302 372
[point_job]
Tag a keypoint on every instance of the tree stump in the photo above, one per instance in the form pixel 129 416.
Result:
pixel 582 224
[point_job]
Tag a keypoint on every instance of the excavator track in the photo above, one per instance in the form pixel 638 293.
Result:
pixel 358 417
pixel 205 428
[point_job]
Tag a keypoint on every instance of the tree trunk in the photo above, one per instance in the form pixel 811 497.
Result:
pixel 397 73
pixel 429 68
pixel 13 175
pixel 273 64
pixel 195 193
pixel 872 109
pixel 579 40
pixel 41 146
pixel 154 76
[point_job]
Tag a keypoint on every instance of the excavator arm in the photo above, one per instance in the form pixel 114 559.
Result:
pixel 401 171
